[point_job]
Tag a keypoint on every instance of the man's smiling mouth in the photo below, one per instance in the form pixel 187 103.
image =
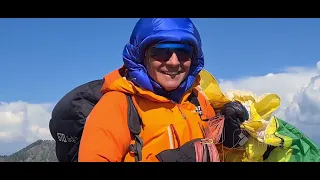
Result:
pixel 171 73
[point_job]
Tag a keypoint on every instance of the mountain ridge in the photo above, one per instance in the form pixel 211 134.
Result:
pixel 39 151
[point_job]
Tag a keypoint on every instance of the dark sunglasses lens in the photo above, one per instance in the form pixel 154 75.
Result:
pixel 183 54
pixel 164 54
pixel 161 54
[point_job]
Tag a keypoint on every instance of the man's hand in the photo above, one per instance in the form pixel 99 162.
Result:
pixel 185 153
pixel 197 150
pixel 234 114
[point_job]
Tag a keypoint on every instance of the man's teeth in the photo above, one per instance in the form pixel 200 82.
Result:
pixel 171 73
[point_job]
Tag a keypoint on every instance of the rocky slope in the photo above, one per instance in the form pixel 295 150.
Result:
pixel 39 151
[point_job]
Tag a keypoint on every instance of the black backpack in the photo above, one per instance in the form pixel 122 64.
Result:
pixel 69 117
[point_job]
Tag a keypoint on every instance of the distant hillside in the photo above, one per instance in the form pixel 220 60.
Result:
pixel 2 158
pixel 39 151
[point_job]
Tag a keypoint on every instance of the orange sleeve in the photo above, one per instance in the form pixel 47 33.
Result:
pixel 106 135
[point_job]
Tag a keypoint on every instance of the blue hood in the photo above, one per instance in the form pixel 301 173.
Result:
pixel 150 31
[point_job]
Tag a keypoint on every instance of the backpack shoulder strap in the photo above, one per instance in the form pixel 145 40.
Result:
pixel 203 105
pixel 135 124
pixel 194 100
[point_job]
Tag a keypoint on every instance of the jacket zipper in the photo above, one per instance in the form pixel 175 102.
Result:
pixel 185 118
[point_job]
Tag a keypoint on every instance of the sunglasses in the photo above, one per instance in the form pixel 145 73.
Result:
pixel 163 52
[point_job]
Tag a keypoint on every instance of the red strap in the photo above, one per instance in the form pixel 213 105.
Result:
pixel 214 128
pixel 213 133
pixel 201 148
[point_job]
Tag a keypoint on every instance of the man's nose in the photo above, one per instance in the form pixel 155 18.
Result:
pixel 174 60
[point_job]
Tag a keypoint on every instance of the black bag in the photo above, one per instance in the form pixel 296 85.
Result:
pixel 69 117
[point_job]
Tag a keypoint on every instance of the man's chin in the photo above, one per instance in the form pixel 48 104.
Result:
pixel 171 86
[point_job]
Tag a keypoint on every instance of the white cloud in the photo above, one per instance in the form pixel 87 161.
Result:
pixel 285 84
pixel 299 90
pixel 22 121
pixel 305 107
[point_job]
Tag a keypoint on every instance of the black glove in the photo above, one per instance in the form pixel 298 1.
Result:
pixel 185 153
pixel 197 150
pixel 235 114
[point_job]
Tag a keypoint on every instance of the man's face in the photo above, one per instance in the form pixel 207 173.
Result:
pixel 168 64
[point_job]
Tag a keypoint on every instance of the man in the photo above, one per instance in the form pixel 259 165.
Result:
pixel 161 64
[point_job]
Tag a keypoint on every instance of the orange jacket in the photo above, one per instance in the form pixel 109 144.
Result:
pixel 106 137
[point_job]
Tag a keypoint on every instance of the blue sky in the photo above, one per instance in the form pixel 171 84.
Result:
pixel 43 59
